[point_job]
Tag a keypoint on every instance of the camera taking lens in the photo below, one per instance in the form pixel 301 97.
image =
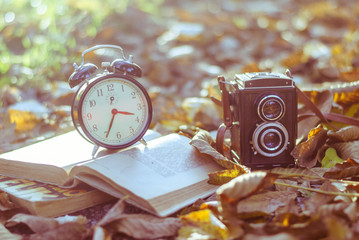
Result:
pixel 269 139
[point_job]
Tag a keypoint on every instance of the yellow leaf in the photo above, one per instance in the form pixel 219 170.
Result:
pixel 331 158
pixel 224 176
pixel 24 120
pixel 202 224
pixel 315 131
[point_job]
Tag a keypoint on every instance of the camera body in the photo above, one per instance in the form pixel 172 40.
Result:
pixel 263 118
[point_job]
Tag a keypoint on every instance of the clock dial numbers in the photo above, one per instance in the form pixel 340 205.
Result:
pixel 115 112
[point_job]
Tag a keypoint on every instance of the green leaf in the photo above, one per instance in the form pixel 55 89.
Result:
pixel 331 158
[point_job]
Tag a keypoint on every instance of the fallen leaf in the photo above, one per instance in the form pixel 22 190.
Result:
pixel 144 226
pixel 348 168
pixel 140 226
pixel 306 152
pixel 35 223
pixel 347 150
pixel 5 203
pixel 202 224
pixel 224 176
pixel 324 102
pixel 114 212
pixel 337 208
pixel 295 172
pixel 40 224
pixel 99 233
pixel 6 235
pixel 278 236
pixel 284 187
pixel 312 205
pixel 244 186
pixel 352 212
pixel 66 231
pixel 267 202
pixel 331 158
pixel 204 147
pixel 346 134
pixel 337 228
pixel 27 114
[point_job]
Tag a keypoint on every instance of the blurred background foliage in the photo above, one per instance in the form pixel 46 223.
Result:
pixel 41 38
pixel 181 45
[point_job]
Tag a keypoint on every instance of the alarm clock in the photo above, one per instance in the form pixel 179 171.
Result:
pixel 111 108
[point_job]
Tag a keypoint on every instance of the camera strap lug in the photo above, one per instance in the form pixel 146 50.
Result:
pixel 227 117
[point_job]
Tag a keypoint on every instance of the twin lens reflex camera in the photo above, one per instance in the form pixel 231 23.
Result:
pixel 260 111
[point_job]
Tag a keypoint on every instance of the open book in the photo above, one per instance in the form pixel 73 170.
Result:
pixel 162 177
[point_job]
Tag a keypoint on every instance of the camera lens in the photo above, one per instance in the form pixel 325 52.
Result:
pixel 270 139
pixel 271 108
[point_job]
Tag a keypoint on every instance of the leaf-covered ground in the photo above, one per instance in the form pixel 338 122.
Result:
pixel 182 46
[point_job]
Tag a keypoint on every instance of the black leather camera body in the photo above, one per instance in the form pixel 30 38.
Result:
pixel 262 118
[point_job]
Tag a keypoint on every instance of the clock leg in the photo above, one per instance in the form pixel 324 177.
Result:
pixel 143 141
pixel 94 150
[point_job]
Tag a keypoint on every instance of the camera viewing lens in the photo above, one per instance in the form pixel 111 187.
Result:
pixel 270 139
pixel 271 108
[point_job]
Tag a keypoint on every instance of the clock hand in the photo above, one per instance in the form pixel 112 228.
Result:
pixel 114 112
pixel 125 113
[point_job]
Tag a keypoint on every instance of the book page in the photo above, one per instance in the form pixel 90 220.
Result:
pixel 60 151
pixel 63 151
pixel 167 164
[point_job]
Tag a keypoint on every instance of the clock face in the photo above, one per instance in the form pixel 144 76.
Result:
pixel 115 112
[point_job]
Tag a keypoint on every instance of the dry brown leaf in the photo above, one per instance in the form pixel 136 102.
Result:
pixel 312 205
pixel 41 225
pixel 306 152
pixel 204 147
pixel 5 203
pixel 244 186
pixel 346 134
pixel 144 226
pixel 278 236
pixel 324 101
pixel 140 226
pixel 37 224
pixel 337 228
pixel 348 168
pixel 66 231
pixel 334 208
pixel 352 212
pixel 347 150
pixel 114 212
pixel 6 235
pixel 295 172
pixel 267 202
pixel 284 187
